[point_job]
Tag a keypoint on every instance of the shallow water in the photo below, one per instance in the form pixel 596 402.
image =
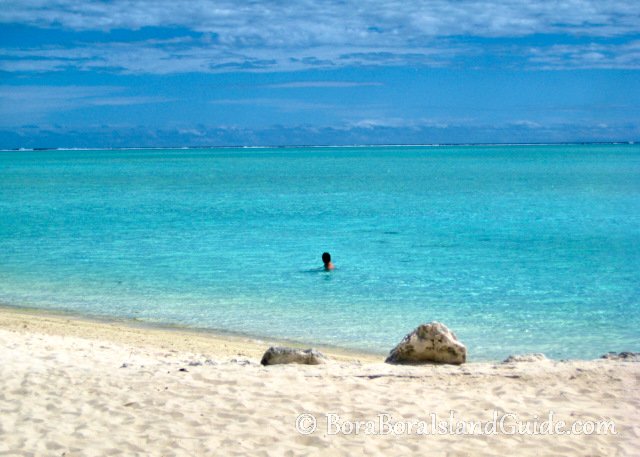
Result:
pixel 516 248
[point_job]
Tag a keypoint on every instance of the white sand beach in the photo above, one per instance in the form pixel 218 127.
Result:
pixel 74 387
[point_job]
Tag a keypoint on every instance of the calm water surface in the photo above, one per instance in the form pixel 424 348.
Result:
pixel 516 248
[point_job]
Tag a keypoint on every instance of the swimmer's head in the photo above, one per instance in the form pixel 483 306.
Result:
pixel 326 258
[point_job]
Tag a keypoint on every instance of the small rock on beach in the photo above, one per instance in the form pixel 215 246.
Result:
pixel 277 355
pixel 536 357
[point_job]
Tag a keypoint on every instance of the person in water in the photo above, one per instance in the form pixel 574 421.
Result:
pixel 326 259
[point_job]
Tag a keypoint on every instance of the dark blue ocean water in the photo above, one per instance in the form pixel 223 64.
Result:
pixel 516 248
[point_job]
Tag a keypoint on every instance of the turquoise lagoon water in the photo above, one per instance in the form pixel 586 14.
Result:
pixel 516 248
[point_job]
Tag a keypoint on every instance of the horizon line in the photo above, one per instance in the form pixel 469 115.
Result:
pixel 292 146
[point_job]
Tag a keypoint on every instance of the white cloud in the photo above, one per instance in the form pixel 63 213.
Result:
pixel 322 84
pixel 591 55
pixel 289 36
pixel 284 105
pixel 19 104
pixel 396 123
pixel 162 57
pixel 131 135
pixel 526 123
pixel 309 22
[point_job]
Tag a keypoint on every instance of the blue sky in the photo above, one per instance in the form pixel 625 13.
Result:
pixel 202 72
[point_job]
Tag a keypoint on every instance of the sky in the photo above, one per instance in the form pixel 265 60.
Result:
pixel 159 73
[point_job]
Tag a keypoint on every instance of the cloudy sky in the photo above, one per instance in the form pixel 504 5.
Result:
pixel 82 73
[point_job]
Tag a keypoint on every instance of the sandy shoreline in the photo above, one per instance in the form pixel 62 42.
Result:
pixel 76 387
pixel 166 337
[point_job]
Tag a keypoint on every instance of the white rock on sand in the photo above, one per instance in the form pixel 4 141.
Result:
pixel 626 356
pixel 279 355
pixel 429 343
pixel 536 357
pixel 62 392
